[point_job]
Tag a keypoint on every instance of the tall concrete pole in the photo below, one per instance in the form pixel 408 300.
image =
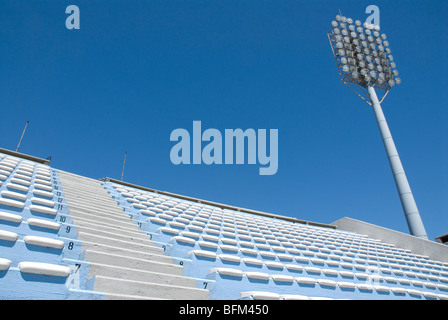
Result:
pixel 415 224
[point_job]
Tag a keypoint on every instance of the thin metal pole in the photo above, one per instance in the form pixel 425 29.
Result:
pixel 124 163
pixel 23 133
pixel 415 223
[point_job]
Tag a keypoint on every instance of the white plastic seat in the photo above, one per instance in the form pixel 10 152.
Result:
pixel 210 238
pixel 256 275
pixel 195 228
pixel 12 203
pixel 43 202
pixel 18 187
pixel 330 272
pixel 380 288
pixel 430 295
pixel 398 290
pixel 228 272
pixel 246 244
pixel 5 264
pixel 14 195
pixel 417 283
pixel 259 240
pixel 302 259
pixel 40 176
pixel 282 278
pixel 21 181
pixel 184 240
pixel 430 285
pixel 138 206
pixel 147 212
pixel 274 264
pixel 176 224
pixel 43 223
pixel 225 247
pixel 22 176
pixel 44 242
pixel 15 218
pixel 44 269
pixel 346 274
pixel 305 280
pixel 294 267
pixel 442 287
pixel 293 297
pixel 43 193
pixel 189 234
pixel 260 295
pixel 208 244
pixel 42 209
pixel 283 256
pixel 165 217
pixel 261 247
pixel 414 292
pixel 8 236
pixel 347 285
pixel 169 231
pixel 364 286
pixel 404 281
pixel 157 221
pixel 251 261
pixel 267 255
pixel 5 172
pixel 313 270
pixel 230 258
pixel 203 253
pixel 249 251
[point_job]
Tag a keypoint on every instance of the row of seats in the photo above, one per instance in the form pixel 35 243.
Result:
pixel 177 212
pixel 318 250
pixel 332 288
pixel 291 252
pixel 213 238
pixel 315 271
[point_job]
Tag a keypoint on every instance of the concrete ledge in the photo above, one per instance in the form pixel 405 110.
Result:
pixel 24 156
pixel 434 250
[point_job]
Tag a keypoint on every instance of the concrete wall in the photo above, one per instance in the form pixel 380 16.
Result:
pixel 434 250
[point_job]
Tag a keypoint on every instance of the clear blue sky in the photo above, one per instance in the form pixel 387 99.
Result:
pixel 137 70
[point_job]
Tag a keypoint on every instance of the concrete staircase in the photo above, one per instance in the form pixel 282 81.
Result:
pixel 124 262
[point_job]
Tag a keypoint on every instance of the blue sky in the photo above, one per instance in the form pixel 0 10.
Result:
pixel 137 70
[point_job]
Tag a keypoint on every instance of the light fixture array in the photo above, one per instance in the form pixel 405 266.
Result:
pixel 362 54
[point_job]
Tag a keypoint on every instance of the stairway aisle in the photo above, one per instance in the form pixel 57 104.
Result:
pixel 124 262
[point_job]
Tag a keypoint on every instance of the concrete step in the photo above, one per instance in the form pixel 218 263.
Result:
pixel 122 237
pixel 146 255
pixel 133 263
pixel 148 289
pixel 110 219
pixel 93 238
pixel 94 207
pixel 81 220
pixel 112 232
pixel 140 275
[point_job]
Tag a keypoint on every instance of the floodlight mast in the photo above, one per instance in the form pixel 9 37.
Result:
pixel 414 221
pixel 368 65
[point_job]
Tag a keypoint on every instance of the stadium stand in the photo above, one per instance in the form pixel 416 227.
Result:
pixel 64 236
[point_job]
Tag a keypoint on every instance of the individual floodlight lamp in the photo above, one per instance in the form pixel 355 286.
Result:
pixel 369 50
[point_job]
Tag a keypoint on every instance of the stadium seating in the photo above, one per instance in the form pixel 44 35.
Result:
pixel 37 241
pixel 64 236
pixel 254 257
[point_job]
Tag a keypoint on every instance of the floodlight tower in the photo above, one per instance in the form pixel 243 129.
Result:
pixel 365 63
